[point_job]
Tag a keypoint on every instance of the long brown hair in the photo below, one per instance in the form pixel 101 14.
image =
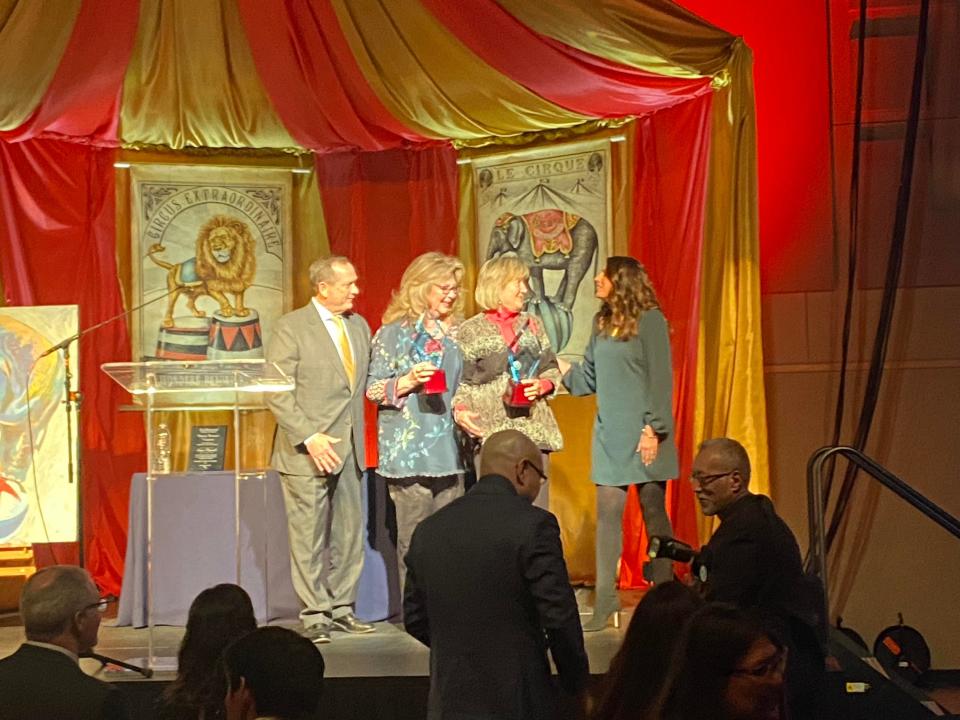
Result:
pixel 631 296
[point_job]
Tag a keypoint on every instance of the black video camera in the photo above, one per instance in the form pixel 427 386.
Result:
pixel 662 546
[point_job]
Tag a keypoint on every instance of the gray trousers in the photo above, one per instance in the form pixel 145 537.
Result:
pixel 416 498
pixel 325 525
pixel 611 501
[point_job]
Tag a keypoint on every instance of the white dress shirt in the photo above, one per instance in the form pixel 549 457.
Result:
pixel 333 328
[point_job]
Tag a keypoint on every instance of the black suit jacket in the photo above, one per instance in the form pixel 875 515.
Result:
pixel 487 590
pixel 42 684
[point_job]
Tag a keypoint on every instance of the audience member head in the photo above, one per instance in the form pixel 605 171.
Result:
pixel 334 283
pixel 638 670
pixel 431 283
pixel 625 293
pixel 502 283
pixel 60 605
pixel 218 616
pixel 720 474
pixel 513 455
pixel 727 666
pixel 272 672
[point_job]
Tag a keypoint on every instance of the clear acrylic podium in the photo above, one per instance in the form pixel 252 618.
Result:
pixel 172 386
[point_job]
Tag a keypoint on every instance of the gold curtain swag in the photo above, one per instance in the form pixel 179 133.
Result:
pixel 33 37
pixel 191 81
pixel 417 68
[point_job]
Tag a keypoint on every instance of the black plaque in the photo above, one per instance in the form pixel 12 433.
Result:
pixel 207 447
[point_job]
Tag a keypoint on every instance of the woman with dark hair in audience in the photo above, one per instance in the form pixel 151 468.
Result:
pixel 638 670
pixel 218 616
pixel 728 666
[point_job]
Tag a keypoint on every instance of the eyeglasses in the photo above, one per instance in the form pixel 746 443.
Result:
pixel 101 605
pixel 448 289
pixel 538 471
pixel 773 664
pixel 707 480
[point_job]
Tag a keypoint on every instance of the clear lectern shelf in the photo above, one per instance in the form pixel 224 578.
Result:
pixel 170 376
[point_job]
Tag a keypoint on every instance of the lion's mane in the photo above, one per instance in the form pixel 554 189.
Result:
pixel 235 275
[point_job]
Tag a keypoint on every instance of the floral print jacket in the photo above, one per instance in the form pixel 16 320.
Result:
pixel 416 432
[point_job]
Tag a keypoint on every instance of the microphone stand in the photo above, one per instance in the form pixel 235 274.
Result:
pixel 74 398
pixel 103 660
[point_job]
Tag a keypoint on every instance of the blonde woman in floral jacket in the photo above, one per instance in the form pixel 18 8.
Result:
pixel 415 367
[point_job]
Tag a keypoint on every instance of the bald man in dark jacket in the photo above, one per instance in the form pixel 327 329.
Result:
pixel 487 590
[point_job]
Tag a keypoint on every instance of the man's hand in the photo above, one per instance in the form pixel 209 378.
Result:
pixel 468 421
pixel 648 445
pixel 320 447
pixel 418 375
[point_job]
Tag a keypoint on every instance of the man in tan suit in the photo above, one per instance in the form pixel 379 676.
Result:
pixel 318 448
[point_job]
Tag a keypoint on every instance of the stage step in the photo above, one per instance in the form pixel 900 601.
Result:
pixel 870 694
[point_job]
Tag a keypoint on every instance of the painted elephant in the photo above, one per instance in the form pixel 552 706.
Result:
pixel 548 240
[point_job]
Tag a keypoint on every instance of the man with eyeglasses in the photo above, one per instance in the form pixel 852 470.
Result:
pixel 487 590
pixel 61 609
pixel 753 561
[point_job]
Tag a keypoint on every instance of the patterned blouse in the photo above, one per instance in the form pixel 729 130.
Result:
pixel 486 375
pixel 416 433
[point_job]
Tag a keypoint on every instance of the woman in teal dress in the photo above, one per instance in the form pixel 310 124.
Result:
pixel 627 365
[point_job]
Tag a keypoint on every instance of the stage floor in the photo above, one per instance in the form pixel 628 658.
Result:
pixel 389 652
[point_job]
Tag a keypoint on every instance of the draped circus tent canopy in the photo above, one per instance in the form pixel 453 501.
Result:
pixel 407 80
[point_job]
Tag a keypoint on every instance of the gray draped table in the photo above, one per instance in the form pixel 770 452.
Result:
pixel 193 549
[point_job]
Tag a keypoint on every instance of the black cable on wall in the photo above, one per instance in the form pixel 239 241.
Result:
pixel 891 281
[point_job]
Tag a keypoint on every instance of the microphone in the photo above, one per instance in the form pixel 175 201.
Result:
pixel 103 660
pixel 65 343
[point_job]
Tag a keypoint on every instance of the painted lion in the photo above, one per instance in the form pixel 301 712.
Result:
pixel 225 263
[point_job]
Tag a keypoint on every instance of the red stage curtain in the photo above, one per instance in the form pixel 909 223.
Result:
pixel 672 151
pixel 382 210
pixel 564 75
pixel 57 247
pixel 82 100
pixel 313 80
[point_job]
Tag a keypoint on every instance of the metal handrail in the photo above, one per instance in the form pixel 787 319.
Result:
pixel 817 506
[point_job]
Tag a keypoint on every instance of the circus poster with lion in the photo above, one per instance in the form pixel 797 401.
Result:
pixel 550 208
pixel 210 258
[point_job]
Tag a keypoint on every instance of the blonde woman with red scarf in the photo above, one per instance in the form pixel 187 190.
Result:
pixel 509 368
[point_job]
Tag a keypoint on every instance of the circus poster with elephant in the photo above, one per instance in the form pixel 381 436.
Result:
pixel 38 483
pixel 549 207
pixel 210 258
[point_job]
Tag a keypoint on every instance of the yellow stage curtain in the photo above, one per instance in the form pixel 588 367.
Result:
pixel 33 37
pixel 418 69
pixel 661 37
pixel 191 81
pixel 310 242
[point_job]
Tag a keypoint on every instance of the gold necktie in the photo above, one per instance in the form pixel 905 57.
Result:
pixel 345 351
